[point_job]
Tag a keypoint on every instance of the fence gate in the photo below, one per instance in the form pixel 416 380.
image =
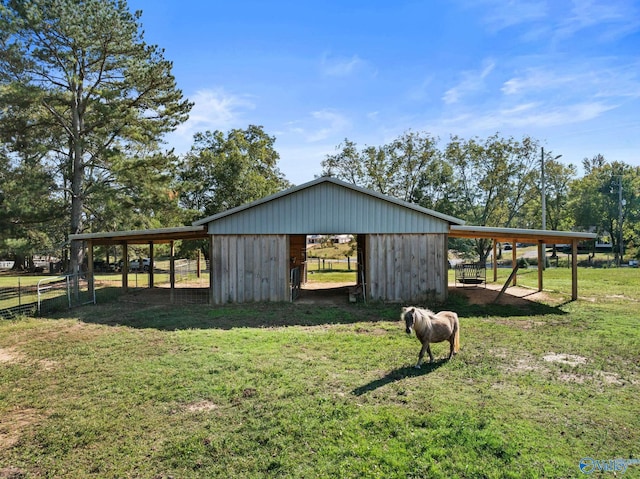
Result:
pixel 51 294
pixel 60 292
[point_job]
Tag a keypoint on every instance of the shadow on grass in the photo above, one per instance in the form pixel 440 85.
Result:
pixel 125 311
pixel 398 375
pixel 254 315
pixel 512 307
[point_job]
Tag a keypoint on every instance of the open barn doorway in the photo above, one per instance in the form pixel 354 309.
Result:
pixel 327 268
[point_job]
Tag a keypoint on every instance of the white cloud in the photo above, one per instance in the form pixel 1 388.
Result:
pixel 500 15
pixel 421 91
pixel 613 19
pixel 597 78
pixel 322 125
pixel 214 110
pixel 343 66
pixel 551 116
pixel 539 79
pixel 550 19
pixel 528 116
pixel 472 81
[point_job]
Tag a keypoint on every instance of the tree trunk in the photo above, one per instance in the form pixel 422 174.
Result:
pixel 77 199
pixel 483 248
pixel 18 263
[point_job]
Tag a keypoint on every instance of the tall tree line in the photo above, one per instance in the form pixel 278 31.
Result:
pixel 85 103
pixel 496 181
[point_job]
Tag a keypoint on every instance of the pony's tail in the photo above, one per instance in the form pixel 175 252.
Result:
pixel 456 337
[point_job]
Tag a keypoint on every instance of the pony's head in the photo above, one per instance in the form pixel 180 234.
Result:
pixel 408 314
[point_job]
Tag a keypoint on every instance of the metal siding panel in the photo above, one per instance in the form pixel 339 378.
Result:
pixel 340 207
pixel 357 215
pixel 330 216
pixel 327 208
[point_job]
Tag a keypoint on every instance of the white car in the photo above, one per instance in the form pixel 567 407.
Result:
pixel 134 264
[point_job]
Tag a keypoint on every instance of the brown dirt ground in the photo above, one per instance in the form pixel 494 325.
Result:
pixel 514 295
pixel 338 293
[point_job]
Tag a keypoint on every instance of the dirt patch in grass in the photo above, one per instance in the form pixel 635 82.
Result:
pixel 12 473
pixel 570 359
pixel 9 355
pixel 201 406
pixel 13 423
pixel 529 363
pixel 513 296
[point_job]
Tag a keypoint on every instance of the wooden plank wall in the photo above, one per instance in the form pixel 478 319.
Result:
pixel 247 268
pixel 408 268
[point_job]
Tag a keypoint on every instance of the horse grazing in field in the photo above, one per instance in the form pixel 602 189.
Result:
pixel 432 328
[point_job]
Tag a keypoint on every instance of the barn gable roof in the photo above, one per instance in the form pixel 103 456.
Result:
pixel 328 205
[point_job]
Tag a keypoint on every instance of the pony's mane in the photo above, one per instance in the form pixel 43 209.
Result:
pixel 421 311
pixel 422 317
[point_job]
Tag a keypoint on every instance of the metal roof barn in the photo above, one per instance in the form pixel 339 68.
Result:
pixel 257 251
pixel 255 248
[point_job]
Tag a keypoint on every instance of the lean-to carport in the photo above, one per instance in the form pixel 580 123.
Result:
pixel 538 237
pixel 139 237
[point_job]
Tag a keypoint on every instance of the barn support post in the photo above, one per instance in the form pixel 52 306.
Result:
pixel 514 260
pixel 151 262
pixel 574 270
pixel 212 278
pixel 172 271
pixel 125 267
pixel 495 259
pixel 541 259
pixel 198 272
pixel 90 271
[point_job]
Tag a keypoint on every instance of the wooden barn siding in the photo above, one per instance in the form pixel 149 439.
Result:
pixel 407 267
pixel 246 268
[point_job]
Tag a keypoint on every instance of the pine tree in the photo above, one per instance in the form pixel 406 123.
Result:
pixel 83 68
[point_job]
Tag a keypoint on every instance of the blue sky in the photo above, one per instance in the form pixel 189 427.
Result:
pixel 314 73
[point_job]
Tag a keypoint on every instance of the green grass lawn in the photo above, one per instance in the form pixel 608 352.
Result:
pixel 331 271
pixel 301 391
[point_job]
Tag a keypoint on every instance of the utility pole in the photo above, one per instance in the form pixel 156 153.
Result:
pixel 543 192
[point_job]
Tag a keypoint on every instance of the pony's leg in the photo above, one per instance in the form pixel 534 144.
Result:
pixel 451 343
pixel 429 351
pixel 425 346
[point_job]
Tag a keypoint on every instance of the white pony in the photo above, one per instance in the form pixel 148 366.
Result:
pixel 432 328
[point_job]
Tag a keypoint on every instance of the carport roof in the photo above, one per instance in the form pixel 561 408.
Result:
pixel 159 235
pixel 517 234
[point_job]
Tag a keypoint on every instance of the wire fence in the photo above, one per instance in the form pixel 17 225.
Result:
pixel 37 296
pixel 19 300
pixel 42 295
pixel 190 285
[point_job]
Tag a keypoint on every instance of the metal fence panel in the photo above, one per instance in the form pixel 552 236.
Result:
pixel 50 294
